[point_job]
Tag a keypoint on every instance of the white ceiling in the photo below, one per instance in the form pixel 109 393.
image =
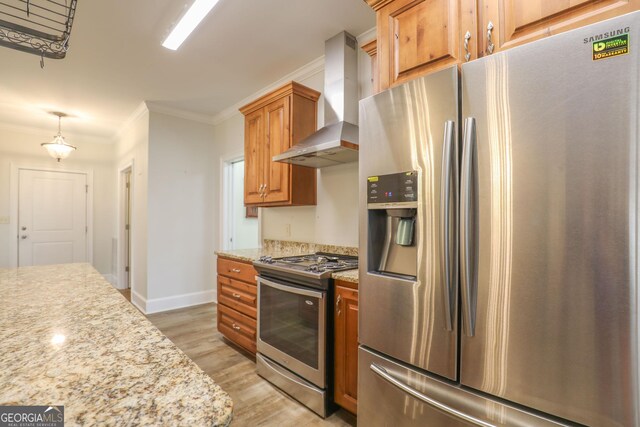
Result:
pixel 116 60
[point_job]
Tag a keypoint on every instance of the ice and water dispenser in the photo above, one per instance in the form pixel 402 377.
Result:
pixel 392 202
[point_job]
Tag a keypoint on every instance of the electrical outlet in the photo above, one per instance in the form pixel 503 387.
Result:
pixel 4 220
pixel 287 230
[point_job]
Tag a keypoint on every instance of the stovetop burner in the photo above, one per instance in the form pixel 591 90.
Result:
pixel 319 265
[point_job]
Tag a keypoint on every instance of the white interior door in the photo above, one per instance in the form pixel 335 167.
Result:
pixel 127 226
pixel 52 217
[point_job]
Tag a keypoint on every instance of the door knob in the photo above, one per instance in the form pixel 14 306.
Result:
pixel 24 228
pixel 24 236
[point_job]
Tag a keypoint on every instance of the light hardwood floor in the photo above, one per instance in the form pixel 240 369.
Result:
pixel 256 402
pixel 126 293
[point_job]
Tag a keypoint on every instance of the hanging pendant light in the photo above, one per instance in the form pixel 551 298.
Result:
pixel 58 148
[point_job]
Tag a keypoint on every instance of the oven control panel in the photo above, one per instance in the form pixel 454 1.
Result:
pixel 393 188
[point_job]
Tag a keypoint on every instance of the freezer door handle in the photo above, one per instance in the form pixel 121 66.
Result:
pixel 449 174
pixel 467 234
pixel 380 371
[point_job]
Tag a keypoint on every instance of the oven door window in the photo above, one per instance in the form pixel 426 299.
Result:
pixel 290 322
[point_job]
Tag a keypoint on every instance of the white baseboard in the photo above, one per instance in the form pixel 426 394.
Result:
pixel 111 278
pixel 138 301
pixel 157 305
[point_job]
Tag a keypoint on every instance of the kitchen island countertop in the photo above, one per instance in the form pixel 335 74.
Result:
pixel 67 337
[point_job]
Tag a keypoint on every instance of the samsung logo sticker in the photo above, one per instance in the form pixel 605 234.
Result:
pixel 606 35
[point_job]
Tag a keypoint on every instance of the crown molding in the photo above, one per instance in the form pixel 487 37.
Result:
pixel 377 4
pixel 367 37
pixel 137 113
pixel 176 112
pixel 312 68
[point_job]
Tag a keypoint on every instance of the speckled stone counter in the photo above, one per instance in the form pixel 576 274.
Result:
pixel 250 255
pixel 346 276
pixel 280 248
pixel 67 337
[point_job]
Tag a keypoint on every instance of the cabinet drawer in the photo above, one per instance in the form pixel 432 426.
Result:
pixel 237 327
pixel 240 296
pixel 237 270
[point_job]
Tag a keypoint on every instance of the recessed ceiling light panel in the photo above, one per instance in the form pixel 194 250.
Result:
pixel 196 13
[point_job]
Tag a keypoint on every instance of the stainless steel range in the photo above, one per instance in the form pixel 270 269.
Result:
pixel 295 323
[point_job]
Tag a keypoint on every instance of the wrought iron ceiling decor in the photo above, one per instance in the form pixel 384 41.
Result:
pixel 40 27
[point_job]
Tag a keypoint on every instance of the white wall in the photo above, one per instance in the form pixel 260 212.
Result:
pixel 334 220
pixel 21 147
pixel 132 146
pixel 180 211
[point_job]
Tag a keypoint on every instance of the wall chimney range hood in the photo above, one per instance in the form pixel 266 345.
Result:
pixel 337 141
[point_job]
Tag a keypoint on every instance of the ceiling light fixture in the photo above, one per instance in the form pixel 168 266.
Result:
pixel 196 13
pixel 58 148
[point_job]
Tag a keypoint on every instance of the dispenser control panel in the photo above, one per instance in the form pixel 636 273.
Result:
pixel 394 188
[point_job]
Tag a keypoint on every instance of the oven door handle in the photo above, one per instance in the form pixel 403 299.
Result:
pixel 290 289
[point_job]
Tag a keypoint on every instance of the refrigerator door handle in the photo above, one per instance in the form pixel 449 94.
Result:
pixel 467 270
pixel 379 370
pixel 448 159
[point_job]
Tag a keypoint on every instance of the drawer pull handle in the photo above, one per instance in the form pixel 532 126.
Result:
pixel 235 295
pixel 236 327
pixel 235 270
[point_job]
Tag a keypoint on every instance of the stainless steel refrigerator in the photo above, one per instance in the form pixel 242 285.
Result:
pixel 499 253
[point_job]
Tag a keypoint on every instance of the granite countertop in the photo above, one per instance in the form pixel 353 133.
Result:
pixel 346 276
pixel 67 337
pixel 277 248
pixel 250 255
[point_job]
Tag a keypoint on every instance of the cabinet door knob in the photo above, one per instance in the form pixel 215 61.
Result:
pixel 467 54
pixel 236 327
pixel 24 236
pixel 235 270
pixel 235 295
pixel 338 304
pixel 490 44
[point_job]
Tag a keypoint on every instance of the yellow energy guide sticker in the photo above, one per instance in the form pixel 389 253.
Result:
pixel 608 48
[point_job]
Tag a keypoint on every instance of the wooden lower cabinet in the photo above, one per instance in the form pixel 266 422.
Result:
pixel 237 327
pixel 346 345
pixel 237 302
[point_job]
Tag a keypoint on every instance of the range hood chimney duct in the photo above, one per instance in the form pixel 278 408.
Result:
pixel 337 141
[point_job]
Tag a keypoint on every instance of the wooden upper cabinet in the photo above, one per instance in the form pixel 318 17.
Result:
pixel 371 48
pixel 516 22
pixel 273 123
pixel 254 141
pixel 277 141
pixel 417 37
